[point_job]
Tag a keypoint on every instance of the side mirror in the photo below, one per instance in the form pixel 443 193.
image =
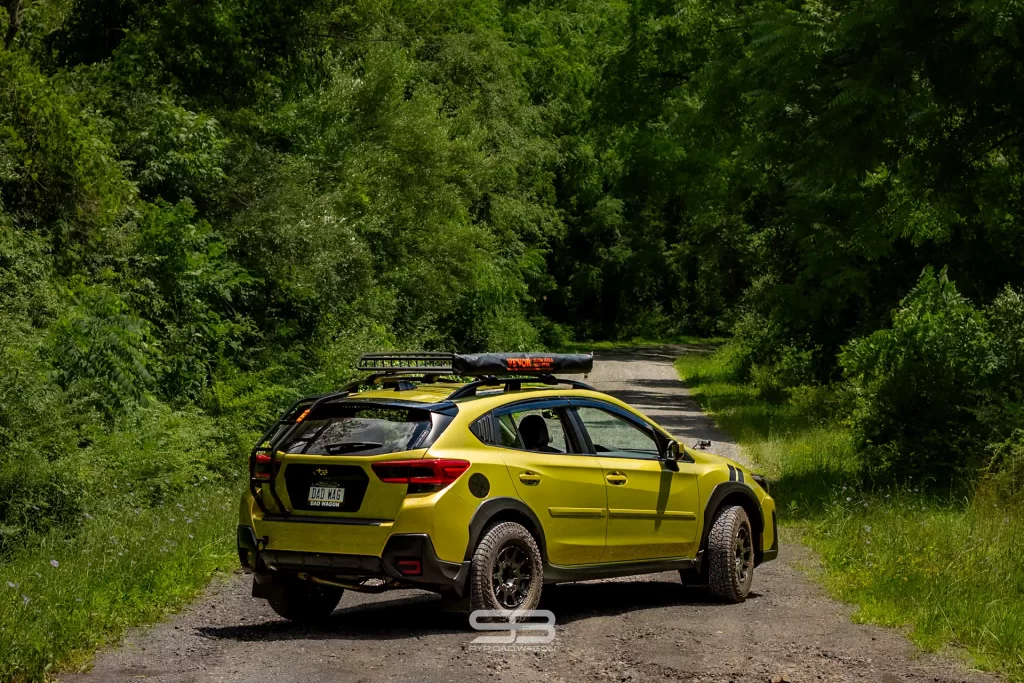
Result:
pixel 672 451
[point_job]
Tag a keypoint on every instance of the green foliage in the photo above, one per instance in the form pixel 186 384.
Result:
pixel 127 566
pixel 938 394
pixel 175 152
pixel 917 382
pixel 188 282
pixel 951 568
pixel 103 352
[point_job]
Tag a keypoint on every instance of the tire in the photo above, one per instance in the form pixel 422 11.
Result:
pixel 507 572
pixel 730 554
pixel 306 603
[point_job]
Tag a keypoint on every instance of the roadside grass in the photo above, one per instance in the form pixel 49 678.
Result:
pixel 585 346
pixel 67 594
pixel 949 568
pixel 806 458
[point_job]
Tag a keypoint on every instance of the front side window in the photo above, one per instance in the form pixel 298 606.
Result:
pixel 361 430
pixel 614 435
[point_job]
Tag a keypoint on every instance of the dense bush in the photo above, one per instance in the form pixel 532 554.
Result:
pixel 937 392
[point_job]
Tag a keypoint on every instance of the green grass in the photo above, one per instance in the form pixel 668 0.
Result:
pixel 951 569
pixel 64 596
pixel 584 346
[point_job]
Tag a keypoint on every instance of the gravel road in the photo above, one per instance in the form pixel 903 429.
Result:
pixel 647 628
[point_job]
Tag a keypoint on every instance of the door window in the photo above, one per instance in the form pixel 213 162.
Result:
pixel 614 435
pixel 540 430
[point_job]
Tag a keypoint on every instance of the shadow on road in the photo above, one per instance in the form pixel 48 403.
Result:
pixel 578 601
pixel 646 354
pixel 420 615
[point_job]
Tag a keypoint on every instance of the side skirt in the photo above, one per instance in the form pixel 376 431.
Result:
pixel 557 574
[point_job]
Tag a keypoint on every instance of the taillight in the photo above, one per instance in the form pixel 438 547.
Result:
pixel 429 473
pixel 261 466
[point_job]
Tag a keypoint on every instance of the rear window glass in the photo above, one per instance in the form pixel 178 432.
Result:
pixel 361 430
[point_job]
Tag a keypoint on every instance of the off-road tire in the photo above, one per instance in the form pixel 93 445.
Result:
pixel 306 603
pixel 515 541
pixel 730 554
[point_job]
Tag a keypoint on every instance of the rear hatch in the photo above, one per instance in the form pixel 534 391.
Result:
pixel 325 464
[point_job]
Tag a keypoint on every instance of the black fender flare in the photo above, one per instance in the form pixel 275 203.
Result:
pixel 719 494
pixel 492 507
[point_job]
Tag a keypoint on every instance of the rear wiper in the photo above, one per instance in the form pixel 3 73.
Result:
pixel 349 446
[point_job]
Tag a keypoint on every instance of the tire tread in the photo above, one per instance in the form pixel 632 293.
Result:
pixel 722 578
pixel 489 544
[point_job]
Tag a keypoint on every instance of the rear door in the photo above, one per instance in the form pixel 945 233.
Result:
pixel 326 462
pixel 564 487
pixel 652 504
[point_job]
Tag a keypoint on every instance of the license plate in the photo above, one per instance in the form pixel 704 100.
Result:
pixel 326 496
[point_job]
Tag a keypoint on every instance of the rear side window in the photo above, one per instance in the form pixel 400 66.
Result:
pixel 362 430
pixel 508 432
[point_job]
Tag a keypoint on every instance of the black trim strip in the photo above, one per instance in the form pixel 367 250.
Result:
pixel 732 473
pixel 558 574
pixel 773 552
pixel 739 473
pixel 325 520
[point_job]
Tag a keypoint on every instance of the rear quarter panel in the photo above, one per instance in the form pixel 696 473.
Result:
pixel 486 478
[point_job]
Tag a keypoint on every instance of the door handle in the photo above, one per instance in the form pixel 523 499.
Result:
pixel 529 478
pixel 616 478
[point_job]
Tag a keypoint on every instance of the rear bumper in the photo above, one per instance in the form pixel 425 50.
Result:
pixel 409 560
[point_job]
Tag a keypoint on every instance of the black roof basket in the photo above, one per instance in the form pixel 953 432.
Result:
pixel 406 363
pixel 477 364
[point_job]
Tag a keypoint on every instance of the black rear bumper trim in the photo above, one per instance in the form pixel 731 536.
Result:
pixel 325 520
pixel 435 573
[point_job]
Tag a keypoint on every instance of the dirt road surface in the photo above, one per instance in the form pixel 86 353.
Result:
pixel 647 628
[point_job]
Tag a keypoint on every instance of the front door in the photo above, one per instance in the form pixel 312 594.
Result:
pixel 652 504
pixel 564 487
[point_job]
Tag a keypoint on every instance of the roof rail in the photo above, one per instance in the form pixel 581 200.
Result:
pixel 514 384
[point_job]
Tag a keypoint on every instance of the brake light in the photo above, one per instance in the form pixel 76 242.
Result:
pixel 434 472
pixel 261 466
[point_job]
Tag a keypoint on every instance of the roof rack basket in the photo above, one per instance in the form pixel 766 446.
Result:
pixel 406 363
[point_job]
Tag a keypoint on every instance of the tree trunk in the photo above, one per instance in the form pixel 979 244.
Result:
pixel 14 22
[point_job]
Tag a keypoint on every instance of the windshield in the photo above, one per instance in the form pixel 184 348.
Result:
pixel 361 430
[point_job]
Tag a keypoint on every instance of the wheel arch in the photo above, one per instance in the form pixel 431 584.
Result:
pixel 733 493
pixel 504 509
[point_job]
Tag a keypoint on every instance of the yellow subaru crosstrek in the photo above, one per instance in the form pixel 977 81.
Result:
pixel 486 490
